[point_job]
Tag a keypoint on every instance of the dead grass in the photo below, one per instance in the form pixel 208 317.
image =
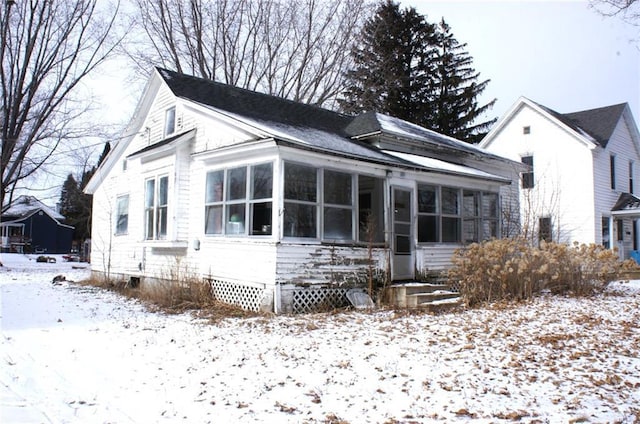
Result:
pixel 176 297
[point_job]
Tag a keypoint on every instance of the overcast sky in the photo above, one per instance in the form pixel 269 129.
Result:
pixel 561 54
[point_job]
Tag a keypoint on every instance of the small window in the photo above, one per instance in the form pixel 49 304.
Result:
pixel 124 165
pixel 527 176
pixel 170 121
pixel 122 215
pixel 544 229
pixel 606 237
pixel 526 130
pixel 612 170
pixel 620 230
pixel 631 176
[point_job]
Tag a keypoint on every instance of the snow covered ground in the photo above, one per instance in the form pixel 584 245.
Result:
pixel 72 354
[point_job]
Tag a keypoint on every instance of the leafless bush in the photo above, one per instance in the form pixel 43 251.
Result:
pixel 513 269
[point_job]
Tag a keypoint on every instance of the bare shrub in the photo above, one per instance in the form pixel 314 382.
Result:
pixel 511 269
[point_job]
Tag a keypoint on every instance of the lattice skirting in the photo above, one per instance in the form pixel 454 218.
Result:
pixel 247 297
pixel 310 299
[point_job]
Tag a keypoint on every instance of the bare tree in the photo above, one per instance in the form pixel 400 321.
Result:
pixel 628 10
pixel 47 49
pixel 297 49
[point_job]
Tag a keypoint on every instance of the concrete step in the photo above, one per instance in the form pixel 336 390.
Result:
pixel 419 294
pixel 419 299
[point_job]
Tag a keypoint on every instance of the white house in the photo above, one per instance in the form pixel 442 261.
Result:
pixel 583 172
pixel 281 204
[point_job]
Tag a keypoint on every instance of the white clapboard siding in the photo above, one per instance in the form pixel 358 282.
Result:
pixel 303 264
pixel 435 258
pixel 562 170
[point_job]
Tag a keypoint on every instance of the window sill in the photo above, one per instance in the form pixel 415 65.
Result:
pixel 166 244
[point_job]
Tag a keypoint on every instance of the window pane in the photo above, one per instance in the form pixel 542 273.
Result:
pixel 428 228
pixel 261 181
pixel 214 187
pixel 170 121
pixel 122 215
pixel 470 230
pixel 237 183
pixel 148 217
pixel 470 203
pixel 337 188
pixel 162 222
pixel 163 191
pixel 300 182
pixel 427 199
pixel 149 193
pixel 371 209
pixel 337 224
pixel 402 205
pixel 450 230
pixel 490 205
pixel 261 218
pixel 489 229
pixel 235 219
pixel 450 201
pixel 213 220
pixel 299 220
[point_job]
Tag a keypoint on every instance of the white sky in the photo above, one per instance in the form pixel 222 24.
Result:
pixel 561 54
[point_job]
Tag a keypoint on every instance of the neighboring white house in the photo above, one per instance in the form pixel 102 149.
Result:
pixel 583 173
pixel 279 203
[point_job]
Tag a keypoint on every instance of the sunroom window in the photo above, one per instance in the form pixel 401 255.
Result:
pixel 452 215
pixel 338 206
pixel 317 198
pixel 238 201
pixel 156 208
pixel 300 200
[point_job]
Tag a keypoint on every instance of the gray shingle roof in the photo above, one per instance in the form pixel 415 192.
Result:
pixel 598 123
pixel 252 104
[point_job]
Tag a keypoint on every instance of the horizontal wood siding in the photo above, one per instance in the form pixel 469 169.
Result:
pixel 236 260
pixel 622 146
pixel 318 264
pixel 434 258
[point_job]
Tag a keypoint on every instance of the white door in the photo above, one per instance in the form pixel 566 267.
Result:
pixel 403 266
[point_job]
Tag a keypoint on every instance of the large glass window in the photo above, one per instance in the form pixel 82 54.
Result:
pixel 323 198
pixel 428 214
pixel 156 205
pixel 122 214
pixel 338 206
pixel 260 199
pixel 213 202
pixel 370 209
pixel 452 215
pixel 238 201
pixel 300 200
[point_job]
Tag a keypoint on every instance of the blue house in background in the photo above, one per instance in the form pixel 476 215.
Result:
pixel 28 225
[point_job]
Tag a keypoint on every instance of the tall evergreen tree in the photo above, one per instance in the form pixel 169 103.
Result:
pixel 456 101
pixel 75 205
pixel 417 71
pixel 394 59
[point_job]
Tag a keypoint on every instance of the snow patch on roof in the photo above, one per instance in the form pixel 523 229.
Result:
pixel 312 137
pixel 407 129
pixel 26 205
pixel 440 165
